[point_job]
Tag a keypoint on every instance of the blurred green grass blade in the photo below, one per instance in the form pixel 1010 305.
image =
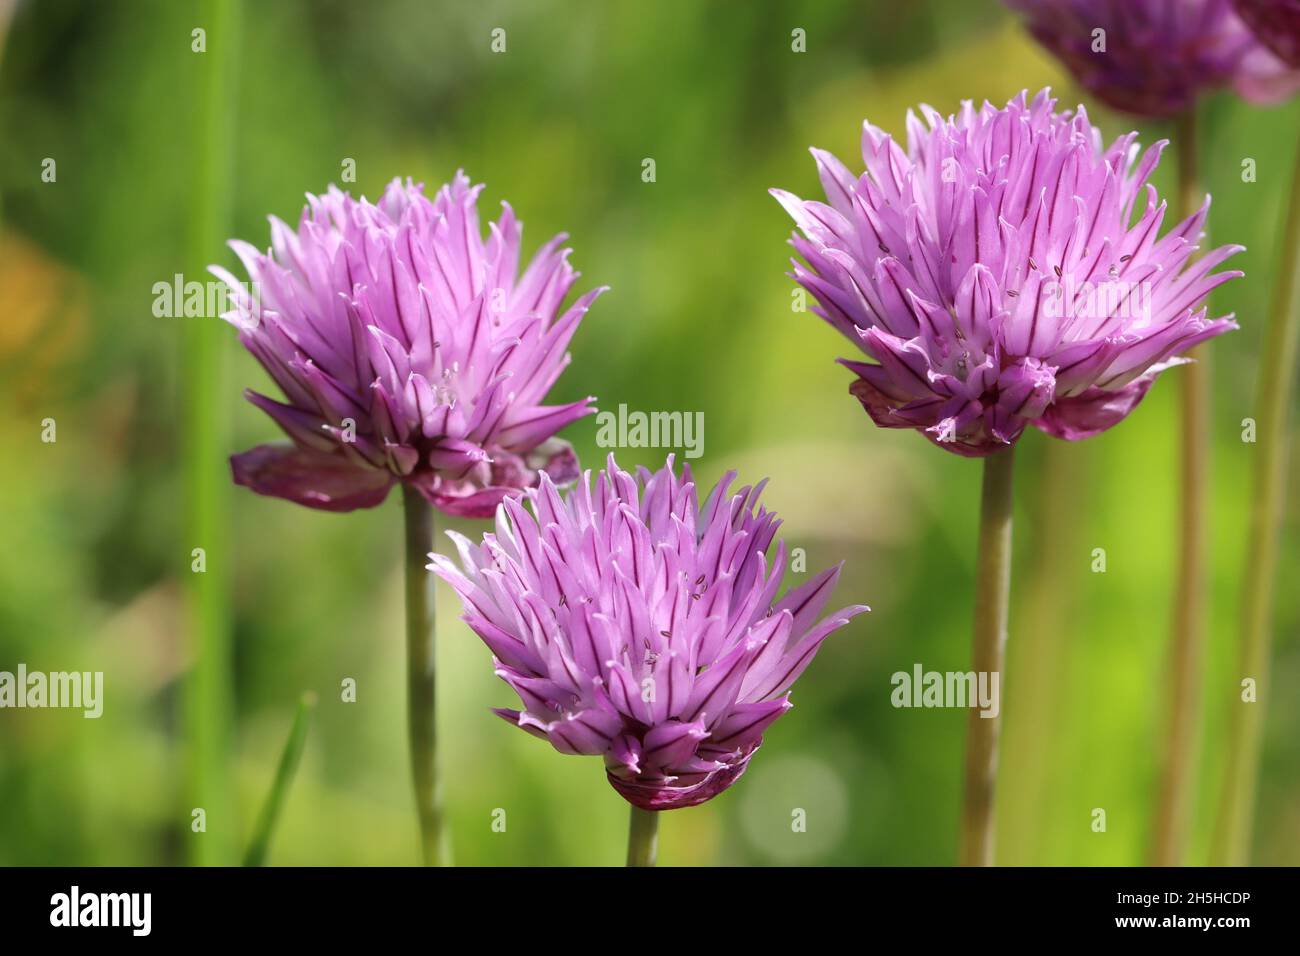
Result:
pixel 1234 827
pixel 289 760
pixel 204 446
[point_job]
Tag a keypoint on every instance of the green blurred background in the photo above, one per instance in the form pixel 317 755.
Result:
pixel 94 559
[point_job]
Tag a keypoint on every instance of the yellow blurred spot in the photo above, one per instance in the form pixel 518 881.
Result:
pixel 43 307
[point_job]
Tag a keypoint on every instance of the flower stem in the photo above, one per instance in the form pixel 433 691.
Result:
pixel 420 675
pixel 1231 843
pixel 203 424
pixel 289 759
pixel 642 837
pixel 1047 594
pixel 1187 641
pixel 992 594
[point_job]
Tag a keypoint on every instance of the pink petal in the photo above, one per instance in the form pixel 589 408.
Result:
pixel 1093 410
pixel 308 477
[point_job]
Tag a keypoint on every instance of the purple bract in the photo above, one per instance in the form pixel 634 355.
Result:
pixel 409 349
pixel 639 627
pixel 1004 270
pixel 1154 57
pixel 1276 23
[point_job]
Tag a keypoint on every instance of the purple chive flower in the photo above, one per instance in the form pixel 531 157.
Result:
pixel 996 276
pixel 1276 23
pixel 1159 54
pixel 409 349
pixel 638 626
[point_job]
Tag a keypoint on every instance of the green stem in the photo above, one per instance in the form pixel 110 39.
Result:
pixel 1231 844
pixel 642 837
pixel 203 428
pixel 420 673
pixel 992 595
pixel 1046 598
pixel 289 760
pixel 1187 640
